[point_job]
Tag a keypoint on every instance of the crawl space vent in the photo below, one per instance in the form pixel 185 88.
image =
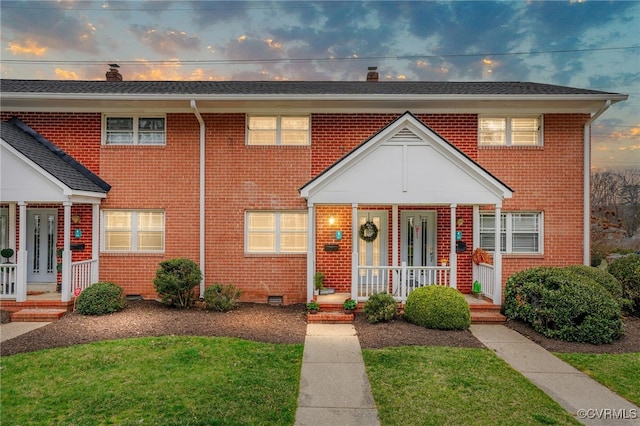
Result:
pixel 274 300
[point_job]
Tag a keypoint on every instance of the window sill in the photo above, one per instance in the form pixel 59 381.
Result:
pixel 509 147
pixel 301 255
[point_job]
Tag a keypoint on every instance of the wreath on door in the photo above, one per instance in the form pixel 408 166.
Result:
pixel 368 231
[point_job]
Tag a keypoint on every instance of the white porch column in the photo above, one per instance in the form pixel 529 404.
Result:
pixel 12 227
pixel 66 254
pixel 354 251
pixel 395 249
pixel 21 273
pixel 453 257
pixel 311 250
pixel 95 242
pixel 497 260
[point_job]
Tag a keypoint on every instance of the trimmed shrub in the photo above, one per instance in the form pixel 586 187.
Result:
pixel 442 308
pixel 381 307
pixel 602 277
pixel 627 270
pixel 101 298
pixel 175 281
pixel 562 304
pixel 221 298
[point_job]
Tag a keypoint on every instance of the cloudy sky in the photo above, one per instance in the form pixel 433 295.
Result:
pixel 587 44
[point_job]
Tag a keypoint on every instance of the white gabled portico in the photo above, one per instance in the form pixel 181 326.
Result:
pixel 404 164
pixel 26 187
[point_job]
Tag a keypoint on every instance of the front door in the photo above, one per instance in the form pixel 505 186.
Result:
pixel 418 243
pixel 41 245
pixel 372 251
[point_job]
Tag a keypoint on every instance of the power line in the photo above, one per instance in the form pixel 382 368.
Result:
pixel 294 60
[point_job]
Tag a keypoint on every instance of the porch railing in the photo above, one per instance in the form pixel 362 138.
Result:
pixel 81 274
pixel 483 273
pixel 8 278
pixel 399 280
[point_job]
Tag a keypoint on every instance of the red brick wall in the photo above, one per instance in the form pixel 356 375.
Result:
pixel 547 179
pixel 241 178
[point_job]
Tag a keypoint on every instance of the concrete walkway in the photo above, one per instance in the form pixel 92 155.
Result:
pixel 334 388
pixel 15 329
pixel 587 400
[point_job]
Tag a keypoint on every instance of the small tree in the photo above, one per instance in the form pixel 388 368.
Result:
pixel 175 281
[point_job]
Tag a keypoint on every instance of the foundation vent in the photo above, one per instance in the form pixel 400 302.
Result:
pixel 275 300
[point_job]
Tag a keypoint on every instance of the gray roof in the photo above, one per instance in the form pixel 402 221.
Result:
pixel 290 88
pixel 51 158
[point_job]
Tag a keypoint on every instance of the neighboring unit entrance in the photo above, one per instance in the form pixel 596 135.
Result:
pixel 418 244
pixel 41 245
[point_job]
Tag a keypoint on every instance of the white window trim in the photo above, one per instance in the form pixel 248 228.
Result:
pixel 135 117
pixel 134 231
pixel 278 128
pixel 277 233
pixel 509 232
pixel 508 136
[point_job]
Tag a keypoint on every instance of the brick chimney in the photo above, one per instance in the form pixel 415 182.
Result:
pixel 372 74
pixel 113 74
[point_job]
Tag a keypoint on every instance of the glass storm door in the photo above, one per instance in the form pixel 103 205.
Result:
pixel 418 235
pixel 373 253
pixel 41 245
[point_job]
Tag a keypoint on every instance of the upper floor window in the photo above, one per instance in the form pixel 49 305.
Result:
pixel 133 230
pixel 276 232
pixel 519 232
pixel 134 130
pixel 277 130
pixel 510 131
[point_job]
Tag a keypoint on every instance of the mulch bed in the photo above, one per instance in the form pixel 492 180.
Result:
pixel 265 323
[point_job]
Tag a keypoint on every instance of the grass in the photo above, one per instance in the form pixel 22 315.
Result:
pixel 157 380
pixel 454 386
pixel 618 372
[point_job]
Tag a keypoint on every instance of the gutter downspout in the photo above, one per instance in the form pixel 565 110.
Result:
pixel 586 213
pixel 202 197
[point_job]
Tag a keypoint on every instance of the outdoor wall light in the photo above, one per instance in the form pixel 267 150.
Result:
pixel 332 220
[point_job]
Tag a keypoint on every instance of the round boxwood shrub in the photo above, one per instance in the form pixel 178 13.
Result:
pixel 564 305
pixel 442 308
pixel 627 270
pixel 221 298
pixel 175 281
pixel 381 307
pixel 101 298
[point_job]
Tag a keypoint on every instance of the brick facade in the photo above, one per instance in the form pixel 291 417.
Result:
pixel 241 178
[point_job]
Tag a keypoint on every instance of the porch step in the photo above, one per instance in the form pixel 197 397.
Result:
pixel 37 315
pixel 486 313
pixel 330 317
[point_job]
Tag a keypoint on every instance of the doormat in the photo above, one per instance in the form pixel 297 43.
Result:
pixel 35 293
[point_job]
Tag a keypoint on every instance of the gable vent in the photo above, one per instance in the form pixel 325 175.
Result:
pixel 405 135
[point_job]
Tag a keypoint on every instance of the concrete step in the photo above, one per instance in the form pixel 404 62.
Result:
pixel 487 316
pixel 37 315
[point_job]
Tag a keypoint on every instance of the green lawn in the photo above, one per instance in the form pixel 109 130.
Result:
pixel 618 372
pixel 157 380
pixel 455 386
pixel 213 381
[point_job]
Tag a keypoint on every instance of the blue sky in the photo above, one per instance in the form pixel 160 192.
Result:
pixel 588 44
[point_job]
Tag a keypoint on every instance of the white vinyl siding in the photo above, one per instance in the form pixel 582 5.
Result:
pixel 134 130
pixel 519 232
pixel 278 130
pixel 276 232
pixel 133 231
pixel 510 131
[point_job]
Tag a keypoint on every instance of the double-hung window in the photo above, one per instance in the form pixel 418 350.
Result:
pixel 134 130
pixel 275 232
pixel 278 130
pixel 519 232
pixel 133 231
pixel 510 131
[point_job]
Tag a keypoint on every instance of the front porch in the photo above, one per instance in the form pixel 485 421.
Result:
pixel 483 310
